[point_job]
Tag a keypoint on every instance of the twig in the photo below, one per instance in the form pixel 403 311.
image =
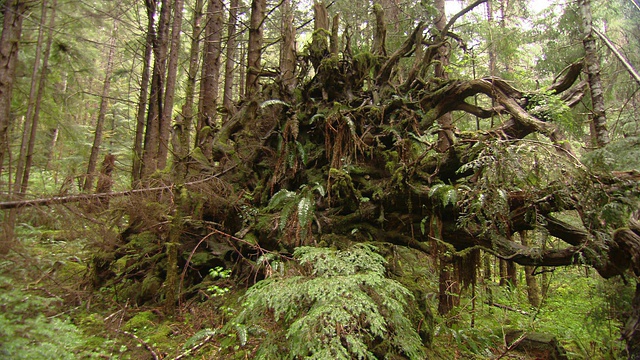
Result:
pixel 195 347
pixel 513 345
pixel 508 308
pixel 146 345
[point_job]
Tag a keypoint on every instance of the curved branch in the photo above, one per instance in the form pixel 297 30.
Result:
pixel 407 46
pixel 455 17
pixel 565 82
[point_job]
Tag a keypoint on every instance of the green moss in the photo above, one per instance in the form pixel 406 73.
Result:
pixel 160 337
pixel 150 286
pixel 141 321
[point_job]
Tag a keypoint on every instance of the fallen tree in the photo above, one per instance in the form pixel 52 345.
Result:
pixel 351 156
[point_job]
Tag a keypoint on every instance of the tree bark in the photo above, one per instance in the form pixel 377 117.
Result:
pixel 445 133
pixel 210 76
pixel 28 131
pixel 230 62
pixel 160 49
pixel 254 52
pixel 288 49
pixel 144 94
pixel 13 11
pixel 170 89
pixel 599 134
pixel 533 290
pixel 380 35
pixel 184 122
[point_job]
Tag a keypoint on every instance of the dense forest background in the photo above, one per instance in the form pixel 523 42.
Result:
pixel 326 180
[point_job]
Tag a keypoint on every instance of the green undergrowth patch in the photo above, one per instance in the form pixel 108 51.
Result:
pixel 340 306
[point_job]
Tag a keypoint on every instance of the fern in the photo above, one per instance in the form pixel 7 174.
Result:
pixel 279 199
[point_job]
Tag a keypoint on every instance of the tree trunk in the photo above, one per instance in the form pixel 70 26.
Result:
pixel 184 123
pixel 13 11
pixel 448 284
pixel 533 290
pixel 105 179
pixel 152 134
pixel 445 141
pixel 288 49
pixel 445 134
pixel 170 89
pixel 380 36
pixel 230 62
pixel 599 133
pixel 28 131
pixel 210 76
pixel 631 330
pixel 104 103
pixel 254 52
pixel 144 93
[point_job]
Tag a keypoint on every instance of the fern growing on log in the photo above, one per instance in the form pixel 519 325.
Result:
pixel 341 307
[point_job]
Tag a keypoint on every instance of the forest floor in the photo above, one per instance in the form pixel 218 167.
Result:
pixel 48 311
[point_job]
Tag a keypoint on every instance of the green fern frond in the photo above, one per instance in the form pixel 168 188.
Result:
pixel 316 117
pixel 286 212
pixel 306 210
pixel 279 199
pixel 302 154
pixel 273 102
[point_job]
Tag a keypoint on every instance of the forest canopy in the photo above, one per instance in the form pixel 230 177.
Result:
pixel 328 180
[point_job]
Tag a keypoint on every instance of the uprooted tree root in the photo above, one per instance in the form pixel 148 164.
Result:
pixel 350 156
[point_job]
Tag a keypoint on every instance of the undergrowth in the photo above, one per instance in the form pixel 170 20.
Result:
pixel 340 306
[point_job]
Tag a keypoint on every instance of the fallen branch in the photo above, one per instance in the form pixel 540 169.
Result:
pixel 620 57
pixel 144 343
pixel 56 200
pixel 195 347
pixel 505 307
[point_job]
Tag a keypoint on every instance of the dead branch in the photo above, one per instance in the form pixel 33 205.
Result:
pixel 57 200
pixel 623 60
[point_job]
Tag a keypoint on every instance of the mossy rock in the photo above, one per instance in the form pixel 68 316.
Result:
pixel 539 345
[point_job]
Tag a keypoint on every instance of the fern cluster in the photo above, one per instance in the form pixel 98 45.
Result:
pixel 341 307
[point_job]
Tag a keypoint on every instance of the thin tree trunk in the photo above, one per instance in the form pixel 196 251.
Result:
pixel 38 103
pixel 599 134
pixel 227 98
pixel 31 122
pixel 512 275
pixel 533 290
pixel 144 94
pixel 104 103
pixel 169 93
pixel 254 52
pixel 9 44
pixel 502 264
pixel 492 49
pixel 184 123
pixel 31 103
pixel 448 284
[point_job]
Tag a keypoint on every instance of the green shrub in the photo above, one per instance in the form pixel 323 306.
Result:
pixel 27 333
pixel 341 306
